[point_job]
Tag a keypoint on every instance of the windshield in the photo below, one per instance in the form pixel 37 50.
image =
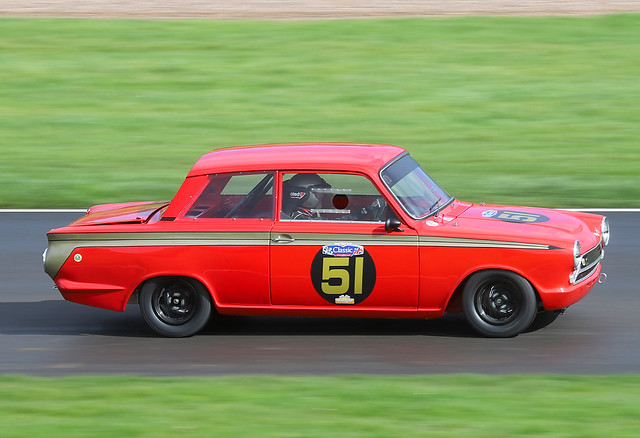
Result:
pixel 419 195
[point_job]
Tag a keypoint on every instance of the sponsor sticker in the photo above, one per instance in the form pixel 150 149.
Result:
pixel 489 213
pixel 297 195
pixel 343 249
pixel 344 299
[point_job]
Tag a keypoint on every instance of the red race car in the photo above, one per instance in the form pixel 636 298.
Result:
pixel 354 230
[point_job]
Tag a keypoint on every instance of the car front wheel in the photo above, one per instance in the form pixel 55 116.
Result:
pixel 499 304
pixel 174 306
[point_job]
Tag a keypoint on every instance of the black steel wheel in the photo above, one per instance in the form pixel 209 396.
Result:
pixel 499 303
pixel 175 306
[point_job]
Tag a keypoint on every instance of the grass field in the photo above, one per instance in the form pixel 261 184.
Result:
pixel 434 406
pixel 542 111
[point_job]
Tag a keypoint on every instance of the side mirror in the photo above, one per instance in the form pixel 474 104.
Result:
pixel 392 224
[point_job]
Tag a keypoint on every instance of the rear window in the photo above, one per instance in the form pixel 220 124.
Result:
pixel 235 195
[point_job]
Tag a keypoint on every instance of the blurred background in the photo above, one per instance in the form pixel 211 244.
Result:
pixel 541 110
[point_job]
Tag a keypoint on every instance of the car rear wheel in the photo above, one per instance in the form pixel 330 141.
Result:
pixel 174 306
pixel 499 303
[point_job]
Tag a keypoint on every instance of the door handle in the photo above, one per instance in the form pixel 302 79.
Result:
pixel 283 238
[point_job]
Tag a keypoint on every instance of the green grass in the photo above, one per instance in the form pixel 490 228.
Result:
pixel 435 406
pixel 542 111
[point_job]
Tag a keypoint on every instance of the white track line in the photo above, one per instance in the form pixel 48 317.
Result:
pixel 604 210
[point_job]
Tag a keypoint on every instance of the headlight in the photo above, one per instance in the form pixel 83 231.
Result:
pixel 605 231
pixel 577 261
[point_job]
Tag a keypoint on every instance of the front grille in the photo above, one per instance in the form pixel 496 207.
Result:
pixel 589 263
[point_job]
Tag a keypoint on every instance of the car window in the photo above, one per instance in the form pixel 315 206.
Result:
pixel 331 197
pixel 235 195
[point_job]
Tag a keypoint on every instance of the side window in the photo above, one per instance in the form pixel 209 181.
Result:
pixel 331 197
pixel 235 195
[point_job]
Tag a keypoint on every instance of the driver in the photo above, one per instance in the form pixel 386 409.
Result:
pixel 300 198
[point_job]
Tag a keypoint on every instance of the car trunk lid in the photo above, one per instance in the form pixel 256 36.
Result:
pixel 124 213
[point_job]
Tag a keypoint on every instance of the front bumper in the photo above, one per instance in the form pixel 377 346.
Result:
pixel 565 297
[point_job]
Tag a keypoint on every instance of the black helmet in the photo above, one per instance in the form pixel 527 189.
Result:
pixel 298 191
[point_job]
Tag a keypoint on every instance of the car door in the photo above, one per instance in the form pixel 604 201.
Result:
pixel 230 221
pixel 329 246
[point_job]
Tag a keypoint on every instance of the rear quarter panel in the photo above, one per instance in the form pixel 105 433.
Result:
pixel 231 262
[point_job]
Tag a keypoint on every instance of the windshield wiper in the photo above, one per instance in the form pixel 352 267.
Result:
pixel 434 205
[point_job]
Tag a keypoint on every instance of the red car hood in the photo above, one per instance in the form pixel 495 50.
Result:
pixel 126 213
pixel 525 224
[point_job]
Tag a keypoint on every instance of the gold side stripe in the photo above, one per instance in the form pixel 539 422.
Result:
pixel 363 242
pixel 63 244
pixel 478 243
pixel 159 237
pixel 302 239
pixel 172 242
pixel 239 239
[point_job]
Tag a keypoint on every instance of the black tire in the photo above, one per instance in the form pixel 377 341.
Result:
pixel 499 304
pixel 175 307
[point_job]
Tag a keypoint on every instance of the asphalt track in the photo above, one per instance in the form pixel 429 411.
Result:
pixel 41 334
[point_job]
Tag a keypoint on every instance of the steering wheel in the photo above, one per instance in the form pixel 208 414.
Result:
pixel 375 210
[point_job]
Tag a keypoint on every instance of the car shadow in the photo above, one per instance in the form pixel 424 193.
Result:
pixel 448 326
pixel 59 317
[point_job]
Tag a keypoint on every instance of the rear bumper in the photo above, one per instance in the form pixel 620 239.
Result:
pixel 104 296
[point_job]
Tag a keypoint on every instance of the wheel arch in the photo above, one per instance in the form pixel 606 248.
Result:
pixel 454 303
pixel 135 294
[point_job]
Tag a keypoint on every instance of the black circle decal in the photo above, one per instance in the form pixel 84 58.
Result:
pixel 343 273
pixel 517 217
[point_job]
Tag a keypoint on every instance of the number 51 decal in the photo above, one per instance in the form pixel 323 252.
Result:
pixel 343 273
pixel 348 274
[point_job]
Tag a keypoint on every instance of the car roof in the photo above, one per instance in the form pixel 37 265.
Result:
pixel 358 157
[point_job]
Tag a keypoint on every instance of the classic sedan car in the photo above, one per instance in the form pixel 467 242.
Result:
pixel 344 230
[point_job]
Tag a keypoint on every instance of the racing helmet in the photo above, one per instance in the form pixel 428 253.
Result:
pixel 298 191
